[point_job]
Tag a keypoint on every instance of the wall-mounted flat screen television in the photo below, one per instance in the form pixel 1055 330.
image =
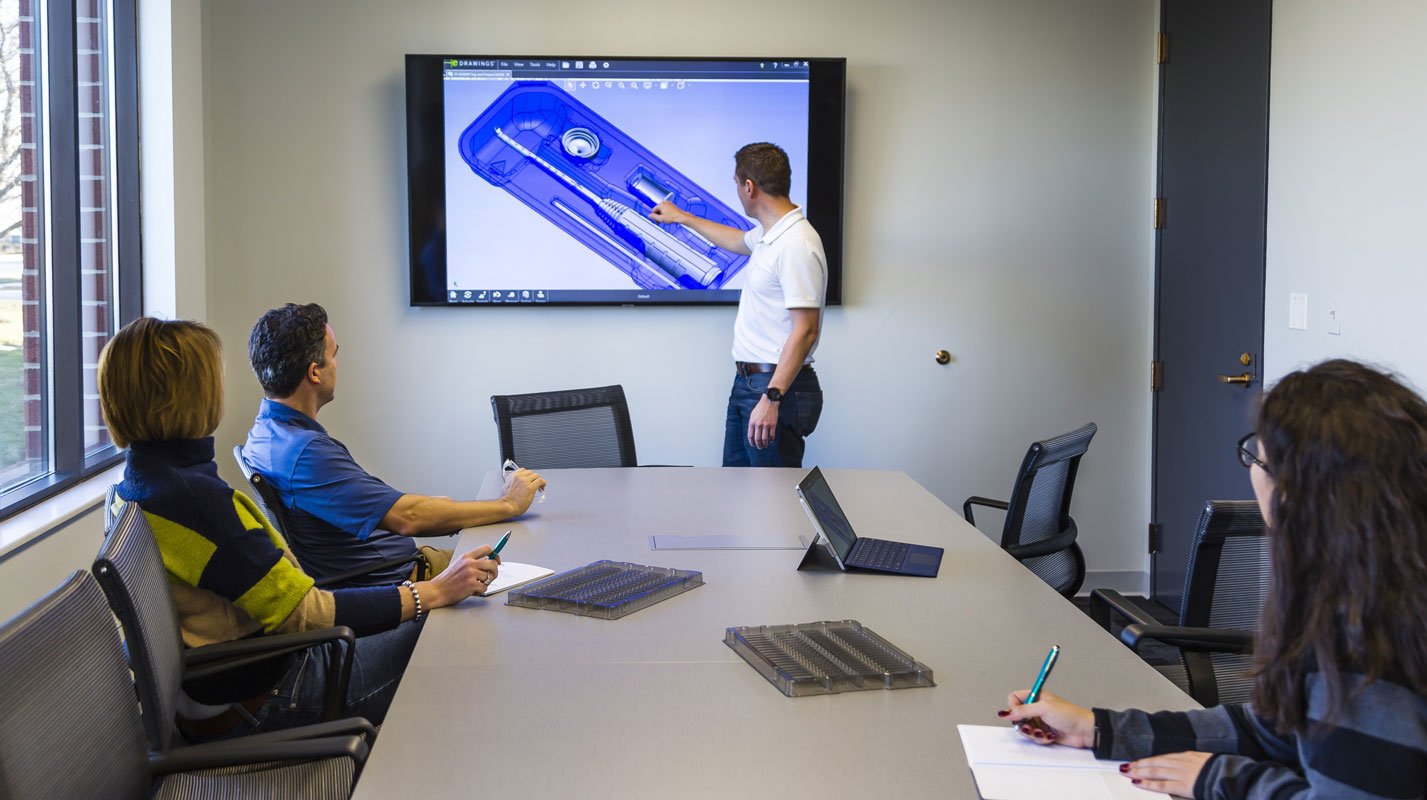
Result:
pixel 530 178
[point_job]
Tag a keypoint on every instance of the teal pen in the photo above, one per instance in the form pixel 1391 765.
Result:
pixel 495 551
pixel 1045 673
pixel 1040 679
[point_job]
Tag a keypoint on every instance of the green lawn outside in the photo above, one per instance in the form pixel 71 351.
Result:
pixel 12 407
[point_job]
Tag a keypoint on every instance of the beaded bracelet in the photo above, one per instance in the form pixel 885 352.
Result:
pixel 416 596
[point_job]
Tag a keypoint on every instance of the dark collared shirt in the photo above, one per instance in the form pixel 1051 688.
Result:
pixel 333 507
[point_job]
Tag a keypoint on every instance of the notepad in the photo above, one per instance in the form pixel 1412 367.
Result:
pixel 513 574
pixel 1009 766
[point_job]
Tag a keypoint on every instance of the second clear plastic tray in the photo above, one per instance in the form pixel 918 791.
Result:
pixel 605 589
pixel 826 658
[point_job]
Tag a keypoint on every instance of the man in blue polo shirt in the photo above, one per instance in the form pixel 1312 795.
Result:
pixel 340 517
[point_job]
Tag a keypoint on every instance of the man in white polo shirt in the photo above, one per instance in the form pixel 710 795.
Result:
pixel 776 399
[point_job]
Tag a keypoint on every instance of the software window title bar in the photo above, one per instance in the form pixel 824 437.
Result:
pixel 571 67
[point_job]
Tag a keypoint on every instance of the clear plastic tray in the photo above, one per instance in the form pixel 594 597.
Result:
pixel 826 658
pixel 606 589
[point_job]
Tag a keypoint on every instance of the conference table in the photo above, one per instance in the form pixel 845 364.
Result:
pixel 505 701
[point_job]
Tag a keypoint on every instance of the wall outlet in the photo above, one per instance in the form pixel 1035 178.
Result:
pixel 1298 311
pixel 1335 322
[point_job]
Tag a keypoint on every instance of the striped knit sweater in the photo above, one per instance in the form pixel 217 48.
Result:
pixel 1377 748
pixel 230 572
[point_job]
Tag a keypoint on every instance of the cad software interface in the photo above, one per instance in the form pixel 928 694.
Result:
pixel 553 164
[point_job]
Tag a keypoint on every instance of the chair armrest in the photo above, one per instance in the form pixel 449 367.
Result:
pixel 981 501
pixel 236 752
pixel 350 726
pixel 342 577
pixel 1197 640
pixel 217 658
pixel 201 662
pixel 1105 603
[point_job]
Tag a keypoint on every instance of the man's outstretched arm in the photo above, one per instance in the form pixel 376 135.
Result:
pixel 422 515
pixel 725 236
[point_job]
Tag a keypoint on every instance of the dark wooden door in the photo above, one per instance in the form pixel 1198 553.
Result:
pixel 1213 178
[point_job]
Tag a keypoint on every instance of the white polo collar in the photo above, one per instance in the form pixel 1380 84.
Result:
pixel 782 225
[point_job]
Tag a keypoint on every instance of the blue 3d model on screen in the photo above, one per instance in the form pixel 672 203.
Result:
pixel 594 182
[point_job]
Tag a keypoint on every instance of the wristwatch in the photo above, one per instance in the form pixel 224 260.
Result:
pixel 774 394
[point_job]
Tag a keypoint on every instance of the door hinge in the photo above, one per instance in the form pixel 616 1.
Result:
pixel 1158 213
pixel 1156 375
pixel 1161 48
pixel 1154 538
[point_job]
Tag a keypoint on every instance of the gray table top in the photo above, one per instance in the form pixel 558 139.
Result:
pixel 508 701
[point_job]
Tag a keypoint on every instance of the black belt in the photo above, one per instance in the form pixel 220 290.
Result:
pixel 746 368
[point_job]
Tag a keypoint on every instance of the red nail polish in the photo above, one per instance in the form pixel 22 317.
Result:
pixel 1005 712
pixel 1135 781
pixel 1124 767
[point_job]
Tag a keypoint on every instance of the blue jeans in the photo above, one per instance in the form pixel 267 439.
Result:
pixel 798 415
pixel 298 698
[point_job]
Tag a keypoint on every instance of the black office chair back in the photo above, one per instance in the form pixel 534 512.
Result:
pixel 69 727
pixel 1225 587
pixel 576 428
pixel 263 493
pixel 1039 514
pixel 130 568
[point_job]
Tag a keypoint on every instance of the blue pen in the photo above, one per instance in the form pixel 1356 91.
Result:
pixel 495 551
pixel 1045 673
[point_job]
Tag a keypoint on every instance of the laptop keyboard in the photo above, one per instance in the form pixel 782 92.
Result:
pixel 879 554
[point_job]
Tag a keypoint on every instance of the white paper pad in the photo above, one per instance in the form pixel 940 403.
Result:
pixel 1009 766
pixel 513 574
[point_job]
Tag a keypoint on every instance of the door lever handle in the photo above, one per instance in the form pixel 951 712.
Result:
pixel 1243 380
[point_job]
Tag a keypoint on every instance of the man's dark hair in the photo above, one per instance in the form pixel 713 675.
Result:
pixel 284 342
pixel 766 165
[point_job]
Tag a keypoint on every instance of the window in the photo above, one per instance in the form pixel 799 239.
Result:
pixel 69 249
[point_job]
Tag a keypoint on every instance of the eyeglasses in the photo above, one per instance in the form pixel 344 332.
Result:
pixel 1248 455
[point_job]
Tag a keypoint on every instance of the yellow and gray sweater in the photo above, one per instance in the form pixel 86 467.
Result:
pixel 231 574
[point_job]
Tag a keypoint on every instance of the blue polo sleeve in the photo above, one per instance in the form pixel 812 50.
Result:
pixel 328 484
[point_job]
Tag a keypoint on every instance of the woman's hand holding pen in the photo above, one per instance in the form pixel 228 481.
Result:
pixel 1050 720
pixel 468 574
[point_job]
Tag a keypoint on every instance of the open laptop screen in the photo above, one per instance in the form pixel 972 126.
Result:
pixel 829 514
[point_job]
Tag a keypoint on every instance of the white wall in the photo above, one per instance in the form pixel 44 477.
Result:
pixel 171 141
pixel 999 169
pixel 1346 208
pixel 28 573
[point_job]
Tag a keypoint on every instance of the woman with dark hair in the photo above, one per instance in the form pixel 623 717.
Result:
pixel 1339 467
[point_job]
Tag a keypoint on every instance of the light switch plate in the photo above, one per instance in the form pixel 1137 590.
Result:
pixel 1298 311
pixel 1335 322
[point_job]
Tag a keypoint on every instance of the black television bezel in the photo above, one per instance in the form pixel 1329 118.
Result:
pixel 426 170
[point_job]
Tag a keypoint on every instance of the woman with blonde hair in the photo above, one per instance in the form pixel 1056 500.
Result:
pixel 1338 463
pixel 230 573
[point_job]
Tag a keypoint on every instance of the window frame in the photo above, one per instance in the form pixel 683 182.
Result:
pixel 58 168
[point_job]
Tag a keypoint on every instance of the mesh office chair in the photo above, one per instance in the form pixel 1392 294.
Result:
pixel 71 728
pixel 131 571
pixel 270 503
pixel 576 428
pixel 1039 531
pixel 1224 591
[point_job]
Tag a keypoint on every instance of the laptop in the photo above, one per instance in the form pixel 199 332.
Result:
pixel 860 552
